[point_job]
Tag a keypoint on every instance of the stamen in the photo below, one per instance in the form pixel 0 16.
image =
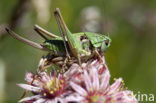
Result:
pixel 44 94
pixel 51 92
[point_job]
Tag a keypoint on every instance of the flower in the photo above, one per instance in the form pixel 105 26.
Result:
pixel 88 83
pixel 75 71
pixel 95 88
pixel 46 88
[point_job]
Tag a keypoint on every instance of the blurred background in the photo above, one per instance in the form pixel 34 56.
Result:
pixel 131 25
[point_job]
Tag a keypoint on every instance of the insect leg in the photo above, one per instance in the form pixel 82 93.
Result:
pixel 62 34
pixel 79 60
pixel 40 34
pixel 65 45
pixel 97 53
pixel 57 14
pixel 39 30
pixel 74 44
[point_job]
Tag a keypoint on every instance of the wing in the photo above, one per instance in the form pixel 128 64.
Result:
pixel 56 46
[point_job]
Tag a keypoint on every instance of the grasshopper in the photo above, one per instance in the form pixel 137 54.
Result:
pixel 71 47
pixel 84 44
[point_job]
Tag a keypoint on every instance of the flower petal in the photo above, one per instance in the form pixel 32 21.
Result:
pixel 30 98
pixel 74 98
pixel 29 77
pixel 74 67
pixel 95 79
pixel 73 71
pixel 44 76
pixel 94 62
pixel 129 97
pixel 105 79
pixel 78 89
pixel 87 81
pixel 41 100
pixel 29 87
pixel 49 101
pixel 115 86
pixel 59 100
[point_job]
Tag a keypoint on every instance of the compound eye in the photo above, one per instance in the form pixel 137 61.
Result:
pixel 107 42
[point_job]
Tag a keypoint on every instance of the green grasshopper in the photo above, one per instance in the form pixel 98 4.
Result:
pixel 71 47
pixel 84 44
pixel 93 44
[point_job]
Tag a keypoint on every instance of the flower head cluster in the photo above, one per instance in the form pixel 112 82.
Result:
pixel 86 84
pixel 47 87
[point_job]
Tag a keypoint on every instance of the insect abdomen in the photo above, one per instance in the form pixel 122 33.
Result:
pixel 56 47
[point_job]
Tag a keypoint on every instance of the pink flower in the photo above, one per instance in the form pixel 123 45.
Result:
pixel 94 86
pixel 47 88
pixel 86 84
